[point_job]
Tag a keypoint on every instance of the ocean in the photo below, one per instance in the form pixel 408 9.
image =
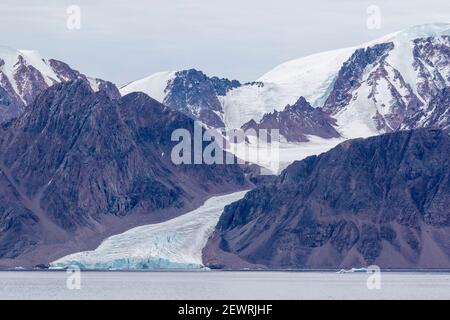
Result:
pixel 222 285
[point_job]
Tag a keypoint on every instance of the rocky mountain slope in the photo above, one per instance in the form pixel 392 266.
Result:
pixel 383 200
pixel 295 123
pixel 78 166
pixel 25 73
pixel 380 86
pixel 376 92
pixel 189 91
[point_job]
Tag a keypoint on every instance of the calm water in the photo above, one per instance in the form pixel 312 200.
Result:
pixel 222 285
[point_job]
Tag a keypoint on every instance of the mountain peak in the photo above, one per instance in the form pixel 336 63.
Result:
pixel 296 122
pixel 300 104
pixel 24 74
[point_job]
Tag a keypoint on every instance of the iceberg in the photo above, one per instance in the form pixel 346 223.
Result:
pixel 354 270
pixel 173 244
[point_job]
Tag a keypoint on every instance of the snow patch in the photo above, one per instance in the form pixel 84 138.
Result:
pixel 35 59
pixel 94 84
pixel 154 85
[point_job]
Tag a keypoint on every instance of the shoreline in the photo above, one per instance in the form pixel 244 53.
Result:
pixel 190 271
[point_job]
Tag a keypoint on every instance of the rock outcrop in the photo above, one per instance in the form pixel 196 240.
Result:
pixel 197 95
pixel 295 123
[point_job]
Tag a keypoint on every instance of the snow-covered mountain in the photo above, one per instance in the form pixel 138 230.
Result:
pixel 380 86
pixel 25 73
pixel 388 85
pixel 310 77
pixel 189 91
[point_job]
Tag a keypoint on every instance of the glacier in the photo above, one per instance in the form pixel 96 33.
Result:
pixel 311 77
pixel 173 244
pixel 154 85
pixel 287 152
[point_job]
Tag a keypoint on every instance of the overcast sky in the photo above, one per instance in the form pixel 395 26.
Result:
pixel 130 39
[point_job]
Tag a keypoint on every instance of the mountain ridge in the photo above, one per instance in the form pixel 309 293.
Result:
pixel 25 73
pixel 389 91
pixel 381 200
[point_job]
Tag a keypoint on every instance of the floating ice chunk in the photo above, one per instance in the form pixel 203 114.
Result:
pixel 354 270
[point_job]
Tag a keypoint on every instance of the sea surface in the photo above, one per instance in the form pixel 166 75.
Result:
pixel 222 285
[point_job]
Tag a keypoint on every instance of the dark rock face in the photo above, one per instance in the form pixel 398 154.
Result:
pixel 17 223
pixel 384 86
pixel 297 121
pixel 195 94
pixel 382 200
pixel 432 62
pixel 437 114
pixel 109 88
pixel 11 106
pixel 350 75
pixel 78 166
pixel 66 73
pixel 440 104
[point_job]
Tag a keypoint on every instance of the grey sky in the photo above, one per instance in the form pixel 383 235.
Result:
pixel 126 40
